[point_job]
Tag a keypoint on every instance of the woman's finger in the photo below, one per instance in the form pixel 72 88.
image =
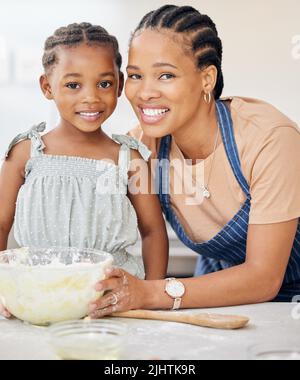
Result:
pixel 108 284
pixel 115 272
pixel 112 276
pixel 104 312
pixel 110 298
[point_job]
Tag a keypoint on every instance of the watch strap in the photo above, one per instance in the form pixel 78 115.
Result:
pixel 177 302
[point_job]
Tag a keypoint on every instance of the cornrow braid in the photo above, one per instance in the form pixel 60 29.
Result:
pixel 176 15
pixel 159 13
pixel 75 34
pixel 205 43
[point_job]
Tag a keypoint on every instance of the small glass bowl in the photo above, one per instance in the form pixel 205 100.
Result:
pixel 96 339
pixel 269 351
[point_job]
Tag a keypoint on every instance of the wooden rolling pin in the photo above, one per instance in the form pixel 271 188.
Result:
pixel 217 321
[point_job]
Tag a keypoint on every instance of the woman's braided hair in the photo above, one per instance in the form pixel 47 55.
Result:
pixel 201 30
pixel 74 35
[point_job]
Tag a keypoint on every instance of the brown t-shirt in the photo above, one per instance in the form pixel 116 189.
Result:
pixel 269 149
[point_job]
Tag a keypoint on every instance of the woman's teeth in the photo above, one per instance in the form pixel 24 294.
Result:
pixel 154 112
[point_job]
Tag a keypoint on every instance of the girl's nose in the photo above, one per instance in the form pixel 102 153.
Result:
pixel 91 95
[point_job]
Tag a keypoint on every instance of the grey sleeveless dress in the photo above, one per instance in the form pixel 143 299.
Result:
pixel 69 201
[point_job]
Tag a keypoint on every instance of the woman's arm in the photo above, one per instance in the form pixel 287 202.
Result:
pixel 257 280
pixel 155 247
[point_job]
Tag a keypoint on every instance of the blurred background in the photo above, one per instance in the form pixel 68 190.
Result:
pixel 261 56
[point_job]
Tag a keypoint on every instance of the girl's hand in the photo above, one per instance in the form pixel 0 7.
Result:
pixel 126 292
pixel 4 311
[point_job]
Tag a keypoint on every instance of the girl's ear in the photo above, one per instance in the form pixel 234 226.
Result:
pixel 45 87
pixel 121 83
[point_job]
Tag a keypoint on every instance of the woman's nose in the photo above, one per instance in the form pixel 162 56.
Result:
pixel 148 90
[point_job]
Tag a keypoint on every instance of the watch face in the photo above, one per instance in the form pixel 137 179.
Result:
pixel 175 288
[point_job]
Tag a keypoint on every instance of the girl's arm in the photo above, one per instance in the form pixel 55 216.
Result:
pixel 155 247
pixel 11 179
pixel 257 280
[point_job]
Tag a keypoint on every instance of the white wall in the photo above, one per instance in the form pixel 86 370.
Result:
pixel 260 59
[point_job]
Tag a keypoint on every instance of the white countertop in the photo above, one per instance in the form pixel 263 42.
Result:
pixel 272 323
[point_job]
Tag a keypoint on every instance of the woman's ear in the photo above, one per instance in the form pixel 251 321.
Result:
pixel 209 78
pixel 121 83
pixel 45 87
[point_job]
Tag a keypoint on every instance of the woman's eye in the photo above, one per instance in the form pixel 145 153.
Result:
pixel 166 76
pixel 73 86
pixel 134 76
pixel 104 84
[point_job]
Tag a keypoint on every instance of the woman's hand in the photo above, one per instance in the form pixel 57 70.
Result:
pixel 125 292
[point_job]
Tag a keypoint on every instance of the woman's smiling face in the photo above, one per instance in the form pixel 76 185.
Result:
pixel 164 85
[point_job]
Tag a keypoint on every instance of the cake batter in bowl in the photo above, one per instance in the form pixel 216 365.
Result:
pixel 48 285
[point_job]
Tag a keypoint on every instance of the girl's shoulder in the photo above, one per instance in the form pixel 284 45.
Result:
pixel 138 148
pixel 152 143
pixel 19 154
pixel 23 145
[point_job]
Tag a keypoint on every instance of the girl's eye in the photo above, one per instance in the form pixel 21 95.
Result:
pixel 73 86
pixel 104 84
pixel 134 76
pixel 167 76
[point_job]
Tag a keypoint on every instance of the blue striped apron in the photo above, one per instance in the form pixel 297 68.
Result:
pixel 228 247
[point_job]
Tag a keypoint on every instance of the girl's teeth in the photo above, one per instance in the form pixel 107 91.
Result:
pixel 154 112
pixel 89 113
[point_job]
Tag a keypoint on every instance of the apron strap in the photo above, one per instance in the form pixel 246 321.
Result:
pixel 226 126
pixel 227 133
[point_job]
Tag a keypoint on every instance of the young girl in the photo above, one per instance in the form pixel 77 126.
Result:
pixel 69 187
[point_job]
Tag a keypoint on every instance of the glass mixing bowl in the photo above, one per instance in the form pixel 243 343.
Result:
pixel 274 351
pixel 101 339
pixel 47 285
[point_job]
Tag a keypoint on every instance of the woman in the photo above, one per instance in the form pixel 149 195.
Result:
pixel 245 221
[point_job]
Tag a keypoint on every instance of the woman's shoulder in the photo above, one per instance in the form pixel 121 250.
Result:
pixel 262 115
pixel 258 124
pixel 265 137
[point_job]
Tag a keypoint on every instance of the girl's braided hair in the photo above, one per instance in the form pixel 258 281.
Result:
pixel 75 34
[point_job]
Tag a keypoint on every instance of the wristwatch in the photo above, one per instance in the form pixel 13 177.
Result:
pixel 176 290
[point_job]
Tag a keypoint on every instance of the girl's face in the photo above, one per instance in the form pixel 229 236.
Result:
pixel 164 85
pixel 85 85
